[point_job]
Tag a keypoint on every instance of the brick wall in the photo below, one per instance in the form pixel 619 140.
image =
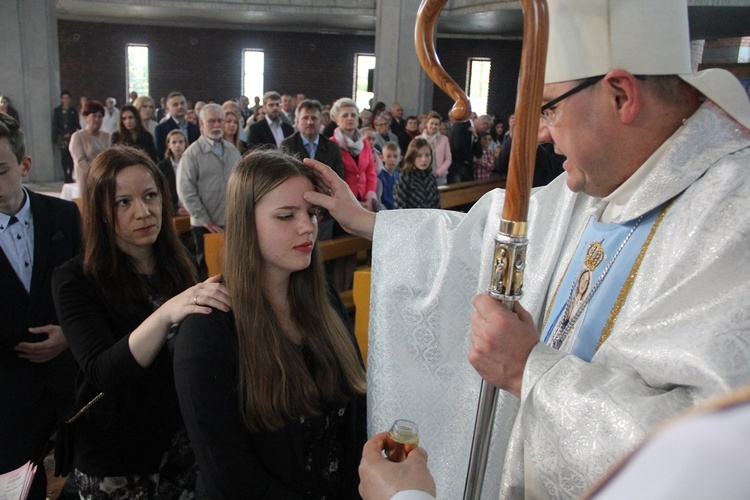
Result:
pixel 505 57
pixel 206 63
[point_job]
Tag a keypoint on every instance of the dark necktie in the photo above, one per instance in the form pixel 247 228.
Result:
pixel 13 219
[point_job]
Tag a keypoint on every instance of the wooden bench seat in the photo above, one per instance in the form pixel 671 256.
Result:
pixel 213 243
pixel 181 223
pixel 467 193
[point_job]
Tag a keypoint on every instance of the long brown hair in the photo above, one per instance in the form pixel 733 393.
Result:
pixel 411 153
pixel 274 382
pixel 103 262
pixel 231 108
pixel 130 137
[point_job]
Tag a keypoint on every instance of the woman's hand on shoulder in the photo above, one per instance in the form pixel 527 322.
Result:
pixel 199 299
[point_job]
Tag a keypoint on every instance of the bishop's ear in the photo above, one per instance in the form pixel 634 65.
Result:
pixel 625 94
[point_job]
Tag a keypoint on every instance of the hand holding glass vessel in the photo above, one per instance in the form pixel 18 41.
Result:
pixel 402 438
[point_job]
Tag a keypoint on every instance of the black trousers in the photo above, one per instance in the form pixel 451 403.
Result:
pixel 200 258
pixel 67 164
pixel 460 172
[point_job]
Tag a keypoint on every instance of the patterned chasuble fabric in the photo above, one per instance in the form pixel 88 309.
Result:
pixel 581 308
pixel 682 335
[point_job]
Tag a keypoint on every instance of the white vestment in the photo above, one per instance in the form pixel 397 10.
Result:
pixel 682 334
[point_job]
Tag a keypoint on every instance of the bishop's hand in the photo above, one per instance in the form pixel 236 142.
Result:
pixel 501 341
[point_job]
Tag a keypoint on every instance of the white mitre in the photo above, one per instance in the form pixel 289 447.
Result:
pixel 592 37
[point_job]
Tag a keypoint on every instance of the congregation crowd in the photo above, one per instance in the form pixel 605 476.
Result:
pixel 153 380
pixel 458 152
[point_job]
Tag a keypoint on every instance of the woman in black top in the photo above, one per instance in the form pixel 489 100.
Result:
pixel 118 305
pixel 273 394
pixel 131 132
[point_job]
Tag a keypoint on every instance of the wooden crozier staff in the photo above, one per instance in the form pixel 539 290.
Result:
pixel 506 282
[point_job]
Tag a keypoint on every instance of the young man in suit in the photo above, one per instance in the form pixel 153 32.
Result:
pixel 177 107
pixel 37 234
pixel 287 109
pixel 271 130
pixel 64 123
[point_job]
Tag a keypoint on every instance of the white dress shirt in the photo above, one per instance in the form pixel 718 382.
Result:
pixel 17 241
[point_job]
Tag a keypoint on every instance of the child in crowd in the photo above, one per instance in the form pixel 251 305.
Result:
pixel 388 176
pixel 176 145
pixel 416 186
pixel 484 165
pixel 370 136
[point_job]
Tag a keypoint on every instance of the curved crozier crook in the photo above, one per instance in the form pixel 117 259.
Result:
pixel 528 106
pixel 424 41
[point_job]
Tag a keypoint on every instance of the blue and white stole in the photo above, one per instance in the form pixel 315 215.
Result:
pixel 592 283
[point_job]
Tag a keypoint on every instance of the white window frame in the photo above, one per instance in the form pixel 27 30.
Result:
pixel 478 71
pixel 363 62
pixel 142 88
pixel 251 89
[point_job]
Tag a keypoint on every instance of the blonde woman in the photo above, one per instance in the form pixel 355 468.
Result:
pixel 232 127
pixel 146 108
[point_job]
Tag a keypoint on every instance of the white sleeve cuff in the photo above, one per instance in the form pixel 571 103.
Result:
pixel 412 495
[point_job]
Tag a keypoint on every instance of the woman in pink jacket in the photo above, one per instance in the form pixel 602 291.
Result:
pixel 359 164
pixel 441 148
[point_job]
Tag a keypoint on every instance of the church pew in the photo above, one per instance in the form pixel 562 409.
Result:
pixel 181 223
pixel 213 243
pixel 467 193
pixel 361 293
pixel 79 204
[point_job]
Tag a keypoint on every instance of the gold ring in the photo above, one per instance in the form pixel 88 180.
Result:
pixel 195 300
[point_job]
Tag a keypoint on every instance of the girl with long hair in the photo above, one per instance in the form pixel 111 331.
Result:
pixel 119 304
pixel 177 143
pixel 273 394
pixel 231 128
pixel 416 187
pixel 131 132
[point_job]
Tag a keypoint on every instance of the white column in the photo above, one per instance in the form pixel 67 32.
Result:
pixel 696 53
pixel 30 77
pixel 398 74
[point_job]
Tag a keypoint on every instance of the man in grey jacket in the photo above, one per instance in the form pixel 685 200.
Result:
pixel 202 178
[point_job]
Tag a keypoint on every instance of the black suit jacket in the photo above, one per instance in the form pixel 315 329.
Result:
pixel 463 149
pixel 260 133
pixel 398 127
pixel 328 152
pixel 64 121
pixel 161 131
pixel 29 390
pixel 168 170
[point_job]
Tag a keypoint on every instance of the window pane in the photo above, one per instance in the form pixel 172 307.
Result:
pixel 744 54
pixel 252 73
pixel 479 84
pixel 363 63
pixel 137 71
